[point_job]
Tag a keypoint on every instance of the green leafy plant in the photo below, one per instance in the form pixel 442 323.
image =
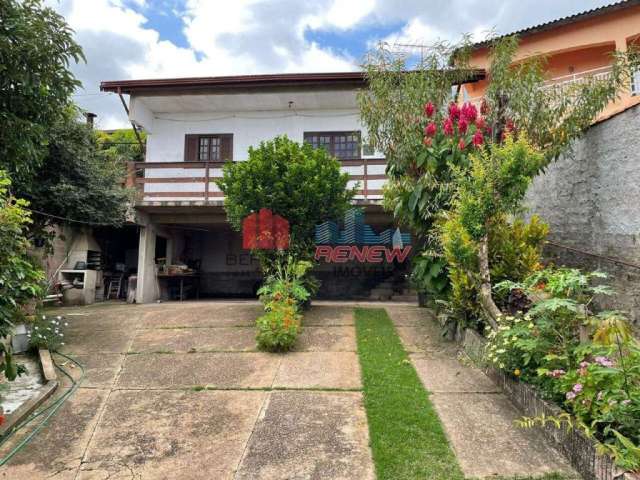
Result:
pixel 279 327
pixel 302 184
pixel 47 332
pixel 585 361
pixel 21 281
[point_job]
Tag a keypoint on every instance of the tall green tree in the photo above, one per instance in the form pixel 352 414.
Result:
pixel 76 179
pixel 426 173
pixel 36 48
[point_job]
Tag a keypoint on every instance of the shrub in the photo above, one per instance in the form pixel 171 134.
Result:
pixel 47 332
pixel 278 328
pixel 587 362
pixel 283 294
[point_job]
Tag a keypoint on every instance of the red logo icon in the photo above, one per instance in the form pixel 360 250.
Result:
pixel 265 231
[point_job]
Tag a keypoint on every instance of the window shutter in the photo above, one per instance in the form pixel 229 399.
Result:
pixel 226 147
pixel 191 148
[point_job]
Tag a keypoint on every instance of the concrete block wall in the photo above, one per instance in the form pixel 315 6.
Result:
pixel 591 201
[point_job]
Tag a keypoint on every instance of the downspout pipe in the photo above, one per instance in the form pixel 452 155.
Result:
pixel 133 125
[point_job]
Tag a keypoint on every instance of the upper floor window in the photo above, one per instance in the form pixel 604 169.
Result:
pixel 208 147
pixel 342 145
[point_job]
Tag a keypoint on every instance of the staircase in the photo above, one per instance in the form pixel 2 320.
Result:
pixel 388 291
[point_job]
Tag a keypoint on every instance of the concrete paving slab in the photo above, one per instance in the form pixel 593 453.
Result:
pixel 56 452
pixel 327 339
pixel 448 375
pixel 195 340
pixel 482 431
pixel 310 436
pixel 201 315
pixel 426 340
pixel 325 315
pixel 410 316
pixel 218 370
pixel 171 435
pixel 319 370
pixel 100 369
pixel 97 341
pixel 92 320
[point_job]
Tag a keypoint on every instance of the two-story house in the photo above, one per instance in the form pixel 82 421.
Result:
pixel 193 126
pixel 575 47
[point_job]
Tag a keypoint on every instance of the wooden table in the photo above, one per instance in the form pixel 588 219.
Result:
pixel 181 277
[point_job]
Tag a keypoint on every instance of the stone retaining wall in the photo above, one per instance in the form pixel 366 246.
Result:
pixel 591 201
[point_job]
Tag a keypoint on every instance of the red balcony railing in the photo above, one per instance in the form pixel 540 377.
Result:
pixel 195 181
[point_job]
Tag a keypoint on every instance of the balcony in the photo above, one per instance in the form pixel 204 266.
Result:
pixel 193 183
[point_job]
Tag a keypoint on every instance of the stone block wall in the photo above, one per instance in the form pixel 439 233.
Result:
pixel 591 200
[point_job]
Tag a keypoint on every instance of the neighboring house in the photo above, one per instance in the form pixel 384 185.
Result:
pixel 194 125
pixel 576 47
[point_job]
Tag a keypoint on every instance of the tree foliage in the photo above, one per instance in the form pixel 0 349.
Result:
pixel 300 183
pixel 36 47
pixel 20 279
pixel 121 145
pixel 476 189
pixel 76 180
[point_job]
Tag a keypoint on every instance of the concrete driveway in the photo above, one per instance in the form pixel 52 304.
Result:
pixel 178 391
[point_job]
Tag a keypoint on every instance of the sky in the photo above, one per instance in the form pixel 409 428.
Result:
pixel 134 39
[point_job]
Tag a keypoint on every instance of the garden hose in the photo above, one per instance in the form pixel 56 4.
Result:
pixel 49 410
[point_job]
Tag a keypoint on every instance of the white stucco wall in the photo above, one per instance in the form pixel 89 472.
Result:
pixel 166 142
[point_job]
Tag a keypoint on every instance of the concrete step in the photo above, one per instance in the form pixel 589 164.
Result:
pixel 381 294
pixel 406 297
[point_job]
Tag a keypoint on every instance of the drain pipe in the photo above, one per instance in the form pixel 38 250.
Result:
pixel 135 128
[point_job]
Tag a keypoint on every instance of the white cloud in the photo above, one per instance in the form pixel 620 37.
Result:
pixel 226 37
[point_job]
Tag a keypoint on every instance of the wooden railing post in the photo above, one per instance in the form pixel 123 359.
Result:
pixel 366 185
pixel 206 181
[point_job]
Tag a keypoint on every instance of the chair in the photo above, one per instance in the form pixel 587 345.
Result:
pixel 115 286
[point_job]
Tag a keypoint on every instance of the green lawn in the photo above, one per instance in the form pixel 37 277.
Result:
pixel 407 439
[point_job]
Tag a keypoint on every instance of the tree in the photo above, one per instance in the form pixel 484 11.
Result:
pixel 121 145
pixel 76 180
pixel 20 279
pixel 36 47
pixel 428 178
pixel 302 184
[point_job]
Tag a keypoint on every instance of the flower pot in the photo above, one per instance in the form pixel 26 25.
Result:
pixel 19 339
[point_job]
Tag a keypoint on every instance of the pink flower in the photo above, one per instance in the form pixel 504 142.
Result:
pixel 429 108
pixel 462 126
pixel 604 361
pixel 469 112
pixel 556 373
pixel 454 111
pixel 426 141
pixel 447 126
pixel 480 123
pixel 461 144
pixel 577 387
pixel 477 139
pixel 570 395
pixel 584 364
pixel 430 130
pixel 510 126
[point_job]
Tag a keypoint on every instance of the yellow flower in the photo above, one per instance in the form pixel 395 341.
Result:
pixel 517 372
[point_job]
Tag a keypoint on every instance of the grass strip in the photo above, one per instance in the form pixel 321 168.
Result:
pixel 407 438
